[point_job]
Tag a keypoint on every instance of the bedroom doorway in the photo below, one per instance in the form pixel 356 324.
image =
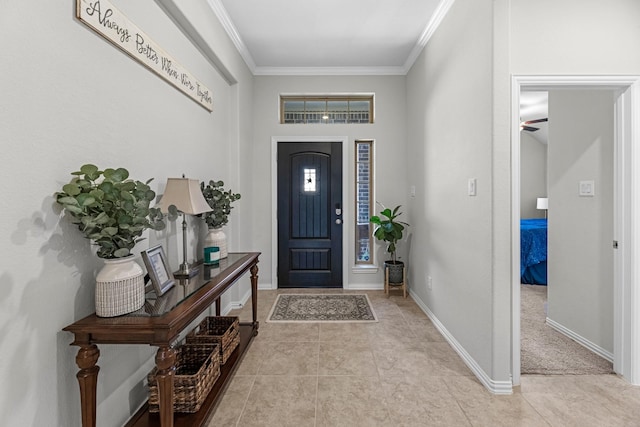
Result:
pixel 556 155
pixel 626 102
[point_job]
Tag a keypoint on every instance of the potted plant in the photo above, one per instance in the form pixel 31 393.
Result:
pixel 112 211
pixel 220 201
pixel 388 229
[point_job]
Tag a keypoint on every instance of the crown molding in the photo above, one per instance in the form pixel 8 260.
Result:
pixel 432 26
pixel 329 71
pixel 227 24
pixel 225 20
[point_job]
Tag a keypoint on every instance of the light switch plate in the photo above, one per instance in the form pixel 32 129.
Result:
pixel 472 187
pixel 587 189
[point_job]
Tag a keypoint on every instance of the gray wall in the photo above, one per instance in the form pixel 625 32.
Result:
pixel 458 103
pixel 580 266
pixel 533 175
pixel 574 37
pixel 449 95
pixel 69 97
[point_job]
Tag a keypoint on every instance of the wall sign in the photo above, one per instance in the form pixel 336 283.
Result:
pixel 106 20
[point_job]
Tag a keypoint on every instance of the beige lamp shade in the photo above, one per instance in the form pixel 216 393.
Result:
pixel 543 203
pixel 186 195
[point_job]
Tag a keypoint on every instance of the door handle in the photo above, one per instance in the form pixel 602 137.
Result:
pixel 338 221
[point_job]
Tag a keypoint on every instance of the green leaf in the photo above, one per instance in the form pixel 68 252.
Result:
pixel 71 189
pixel 137 228
pixel 125 219
pixel 125 195
pixel 116 175
pixel 128 186
pixel 106 186
pixel 89 169
pixel 110 231
pixel 97 194
pixel 73 209
pixel 102 218
pixel 85 199
pixel 68 201
pixel 121 253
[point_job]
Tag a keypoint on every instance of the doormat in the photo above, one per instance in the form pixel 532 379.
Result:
pixel 322 308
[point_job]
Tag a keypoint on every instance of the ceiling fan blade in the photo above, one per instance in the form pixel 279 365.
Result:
pixel 530 122
pixel 529 128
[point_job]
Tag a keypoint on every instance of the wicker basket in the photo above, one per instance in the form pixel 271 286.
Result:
pixel 197 369
pixel 222 330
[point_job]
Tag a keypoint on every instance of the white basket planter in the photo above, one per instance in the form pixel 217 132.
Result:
pixel 119 287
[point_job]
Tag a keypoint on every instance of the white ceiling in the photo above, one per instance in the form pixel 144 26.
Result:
pixel 535 105
pixel 330 37
pixel 349 37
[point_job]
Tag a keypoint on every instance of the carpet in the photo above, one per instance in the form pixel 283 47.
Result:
pixel 546 351
pixel 322 308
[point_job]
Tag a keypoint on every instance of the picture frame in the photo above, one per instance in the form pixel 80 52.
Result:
pixel 158 269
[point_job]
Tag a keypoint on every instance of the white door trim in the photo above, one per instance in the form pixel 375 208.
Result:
pixel 346 207
pixel 626 340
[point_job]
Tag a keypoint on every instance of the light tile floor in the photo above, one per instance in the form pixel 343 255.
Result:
pixel 397 372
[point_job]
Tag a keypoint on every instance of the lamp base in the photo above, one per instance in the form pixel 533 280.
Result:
pixel 186 272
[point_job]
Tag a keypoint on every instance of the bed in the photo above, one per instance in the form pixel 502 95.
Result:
pixel 533 251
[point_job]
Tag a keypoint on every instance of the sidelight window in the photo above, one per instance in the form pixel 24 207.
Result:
pixel 364 192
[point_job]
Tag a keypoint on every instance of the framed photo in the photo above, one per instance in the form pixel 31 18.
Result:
pixel 158 269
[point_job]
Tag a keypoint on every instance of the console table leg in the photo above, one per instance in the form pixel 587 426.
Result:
pixel 254 297
pixel 166 363
pixel 86 359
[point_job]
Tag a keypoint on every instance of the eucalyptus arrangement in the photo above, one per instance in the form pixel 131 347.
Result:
pixel 110 209
pixel 220 201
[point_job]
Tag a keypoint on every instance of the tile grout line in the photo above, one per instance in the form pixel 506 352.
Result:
pixel 244 406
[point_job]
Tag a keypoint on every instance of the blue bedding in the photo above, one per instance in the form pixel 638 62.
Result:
pixel 533 251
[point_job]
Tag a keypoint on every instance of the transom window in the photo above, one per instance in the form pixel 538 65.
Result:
pixel 326 109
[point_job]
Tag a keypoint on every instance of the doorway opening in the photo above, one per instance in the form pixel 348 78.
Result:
pixel 310 230
pixel 626 298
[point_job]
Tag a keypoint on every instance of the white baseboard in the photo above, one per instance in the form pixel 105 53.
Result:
pixel 365 286
pixel 495 387
pixel 581 340
pixel 235 305
pixel 266 286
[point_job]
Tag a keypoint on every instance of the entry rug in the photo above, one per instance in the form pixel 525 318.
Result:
pixel 322 308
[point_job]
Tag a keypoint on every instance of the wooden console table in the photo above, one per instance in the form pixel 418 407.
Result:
pixel 159 324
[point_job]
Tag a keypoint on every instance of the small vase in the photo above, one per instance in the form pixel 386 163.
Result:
pixel 119 287
pixel 216 237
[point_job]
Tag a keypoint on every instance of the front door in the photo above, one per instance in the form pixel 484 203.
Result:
pixel 309 214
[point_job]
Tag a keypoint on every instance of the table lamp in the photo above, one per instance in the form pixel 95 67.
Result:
pixel 543 204
pixel 185 194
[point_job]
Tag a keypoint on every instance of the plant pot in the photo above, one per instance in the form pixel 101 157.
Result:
pixel 216 237
pixel 119 287
pixel 396 271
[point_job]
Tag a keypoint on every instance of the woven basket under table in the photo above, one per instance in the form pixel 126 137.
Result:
pixel 223 330
pixel 197 369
